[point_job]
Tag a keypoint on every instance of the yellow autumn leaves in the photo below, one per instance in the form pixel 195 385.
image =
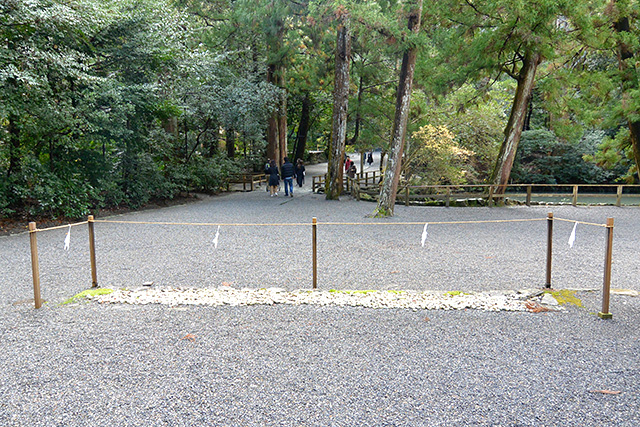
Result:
pixel 436 157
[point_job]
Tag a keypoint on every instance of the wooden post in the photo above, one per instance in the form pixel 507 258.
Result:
pixel 606 287
pixel 490 196
pixel 406 195
pixel 314 241
pixel 549 247
pixel 92 252
pixel 448 199
pixel 528 195
pixel 575 195
pixel 35 267
pixel 619 196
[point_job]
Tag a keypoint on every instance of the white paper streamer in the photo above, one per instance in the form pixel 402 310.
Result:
pixel 424 234
pixel 67 239
pixel 215 239
pixel 572 238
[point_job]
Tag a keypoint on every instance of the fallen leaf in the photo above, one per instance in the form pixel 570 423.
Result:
pixel 226 284
pixel 606 391
pixel 426 319
pixel 394 272
pixel 535 307
pixel 189 337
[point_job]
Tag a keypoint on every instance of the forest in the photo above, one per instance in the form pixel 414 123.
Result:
pixel 116 103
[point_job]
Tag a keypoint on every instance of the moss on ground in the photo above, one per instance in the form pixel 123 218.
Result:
pixel 566 296
pixel 88 292
pixel 455 293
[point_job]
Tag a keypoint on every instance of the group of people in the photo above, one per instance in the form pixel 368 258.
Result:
pixel 350 168
pixel 288 172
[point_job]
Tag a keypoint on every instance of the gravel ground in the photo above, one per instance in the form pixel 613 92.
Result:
pixel 283 365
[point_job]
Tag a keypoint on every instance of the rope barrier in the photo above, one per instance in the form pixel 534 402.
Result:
pixel 604 314
pixel 57 227
pixel 433 222
pixel 203 224
pixel 299 224
pixel 580 222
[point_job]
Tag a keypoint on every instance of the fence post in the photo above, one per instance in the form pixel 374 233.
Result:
pixel 606 287
pixel 35 267
pixel 447 200
pixel 574 201
pixel 528 195
pixel 406 195
pixel 549 247
pixel 490 196
pixel 314 251
pixel 92 252
pixel 619 196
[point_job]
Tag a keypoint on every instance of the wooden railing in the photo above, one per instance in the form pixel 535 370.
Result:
pixel 362 180
pixel 247 179
pixel 368 183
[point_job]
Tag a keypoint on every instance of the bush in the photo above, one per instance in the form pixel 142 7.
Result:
pixel 211 175
pixel 544 159
pixel 37 192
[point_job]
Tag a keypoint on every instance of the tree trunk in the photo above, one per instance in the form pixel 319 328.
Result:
pixel 303 127
pixel 391 178
pixel 513 130
pixel 212 145
pixel 282 120
pixel 273 134
pixel 230 139
pixel 14 146
pixel 356 131
pixel 333 185
pixel 629 81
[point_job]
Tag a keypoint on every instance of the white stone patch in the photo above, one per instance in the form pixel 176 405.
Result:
pixel 416 300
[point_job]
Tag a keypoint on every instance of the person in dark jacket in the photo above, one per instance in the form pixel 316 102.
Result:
pixel 353 170
pixel 288 173
pixel 274 178
pixel 300 172
pixel 370 158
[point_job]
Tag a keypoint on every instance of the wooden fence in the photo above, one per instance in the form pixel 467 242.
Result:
pixel 521 193
pixel 247 179
pixel 365 181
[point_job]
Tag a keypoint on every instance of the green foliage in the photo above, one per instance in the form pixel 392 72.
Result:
pixel 542 158
pixel 119 102
pixel 210 175
pixel 614 155
pixel 476 117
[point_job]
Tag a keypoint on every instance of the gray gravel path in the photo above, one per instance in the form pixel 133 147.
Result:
pixel 95 365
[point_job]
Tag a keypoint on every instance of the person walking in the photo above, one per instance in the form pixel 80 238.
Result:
pixel 353 170
pixel 347 164
pixel 288 173
pixel 300 172
pixel 370 158
pixel 274 178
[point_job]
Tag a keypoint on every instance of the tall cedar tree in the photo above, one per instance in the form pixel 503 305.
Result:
pixel 628 74
pixel 394 163
pixel 340 106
